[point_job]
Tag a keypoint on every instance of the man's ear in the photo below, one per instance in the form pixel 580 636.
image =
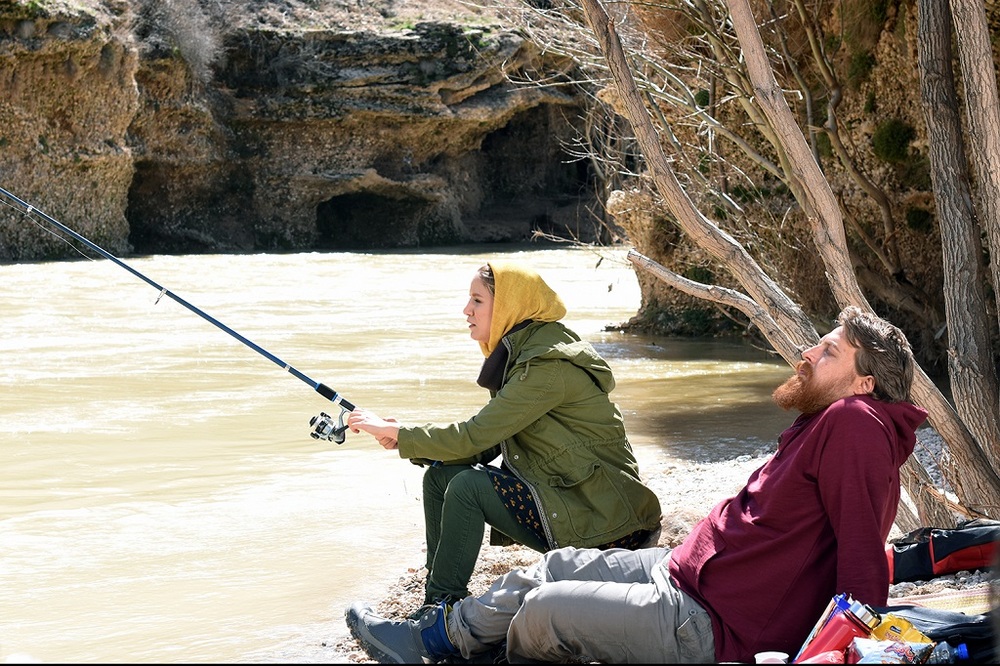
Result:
pixel 864 385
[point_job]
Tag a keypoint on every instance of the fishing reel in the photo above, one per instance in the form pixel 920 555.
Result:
pixel 324 427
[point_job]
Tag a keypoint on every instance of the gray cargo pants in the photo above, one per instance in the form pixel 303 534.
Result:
pixel 612 606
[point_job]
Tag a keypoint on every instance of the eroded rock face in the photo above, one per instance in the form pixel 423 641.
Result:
pixel 67 97
pixel 239 135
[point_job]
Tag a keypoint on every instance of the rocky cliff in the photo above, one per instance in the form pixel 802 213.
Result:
pixel 228 126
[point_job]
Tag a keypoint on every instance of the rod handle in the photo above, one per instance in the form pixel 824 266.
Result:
pixel 333 396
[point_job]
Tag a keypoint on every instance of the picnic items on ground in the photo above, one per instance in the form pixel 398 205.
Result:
pixel 873 651
pixel 843 620
pixel 975 630
pixel 851 632
pixel 892 627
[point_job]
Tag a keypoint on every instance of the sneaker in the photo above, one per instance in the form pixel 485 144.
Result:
pixel 419 613
pixel 447 600
pixel 406 642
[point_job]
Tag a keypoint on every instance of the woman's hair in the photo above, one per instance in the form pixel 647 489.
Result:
pixel 882 352
pixel 486 275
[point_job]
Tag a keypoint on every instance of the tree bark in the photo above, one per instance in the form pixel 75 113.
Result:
pixel 970 368
pixel 798 331
pixel 977 482
pixel 983 109
pixel 980 483
pixel 717 294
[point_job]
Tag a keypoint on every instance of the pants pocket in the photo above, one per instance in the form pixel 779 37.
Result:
pixel 695 640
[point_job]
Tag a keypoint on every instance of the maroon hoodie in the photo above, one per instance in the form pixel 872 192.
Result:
pixel 811 523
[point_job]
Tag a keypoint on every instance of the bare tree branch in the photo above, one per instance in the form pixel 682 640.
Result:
pixel 706 234
pixel 979 481
pixel 981 484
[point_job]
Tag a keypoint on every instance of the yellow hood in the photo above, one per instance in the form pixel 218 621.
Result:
pixel 520 294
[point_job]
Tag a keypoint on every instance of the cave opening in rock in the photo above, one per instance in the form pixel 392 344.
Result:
pixel 529 179
pixel 365 221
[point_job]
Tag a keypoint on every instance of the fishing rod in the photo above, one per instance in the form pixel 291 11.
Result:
pixel 323 426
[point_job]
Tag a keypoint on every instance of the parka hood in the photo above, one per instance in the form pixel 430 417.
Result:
pixel 553 340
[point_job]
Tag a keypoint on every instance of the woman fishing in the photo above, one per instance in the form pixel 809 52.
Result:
pixel 567 474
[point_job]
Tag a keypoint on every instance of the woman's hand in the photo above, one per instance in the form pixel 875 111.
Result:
pixel 384 430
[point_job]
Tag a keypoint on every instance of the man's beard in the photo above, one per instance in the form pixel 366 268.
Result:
pixel 799 392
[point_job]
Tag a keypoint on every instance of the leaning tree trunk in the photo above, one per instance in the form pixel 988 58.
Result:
pixel 785 320
pixel 977 482
pixel 825 216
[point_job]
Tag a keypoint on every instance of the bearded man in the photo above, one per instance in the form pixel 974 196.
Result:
pixel 754 575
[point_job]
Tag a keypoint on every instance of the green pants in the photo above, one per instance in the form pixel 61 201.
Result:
pixel 459 501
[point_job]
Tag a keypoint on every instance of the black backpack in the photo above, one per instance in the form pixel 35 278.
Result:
pixel 927 552
pixel 978 631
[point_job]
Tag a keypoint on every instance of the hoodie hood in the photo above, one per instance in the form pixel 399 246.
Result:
pixel 906 418
pixel 519 294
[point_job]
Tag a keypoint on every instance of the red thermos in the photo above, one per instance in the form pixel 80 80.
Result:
pixel 840 630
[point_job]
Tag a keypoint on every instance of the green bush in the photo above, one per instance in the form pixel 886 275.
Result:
pixel 915 173
pixel 823 144
pixel 860 66
pixel 919 219
pixel 871 105
pixel 891 140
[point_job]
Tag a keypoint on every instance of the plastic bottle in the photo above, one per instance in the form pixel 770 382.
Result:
pixel 838 604
pixel 838 632
pixel 944 653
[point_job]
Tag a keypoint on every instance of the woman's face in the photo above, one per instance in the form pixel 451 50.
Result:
pixel 479 310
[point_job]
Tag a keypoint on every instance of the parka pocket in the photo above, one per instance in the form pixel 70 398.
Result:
pixel 593 505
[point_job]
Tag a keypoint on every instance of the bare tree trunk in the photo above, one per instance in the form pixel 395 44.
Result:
pixel 983 104
pixel 976 481
pixel 786 314
pixel 932 506
pixel 820 202
pixel 973 380
pixel 980 481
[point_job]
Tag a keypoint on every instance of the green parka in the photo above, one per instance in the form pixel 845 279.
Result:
pixel 560 433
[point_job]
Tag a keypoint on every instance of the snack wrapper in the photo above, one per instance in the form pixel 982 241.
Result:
pixel 872 651
pixel 828 657
pixel 895 628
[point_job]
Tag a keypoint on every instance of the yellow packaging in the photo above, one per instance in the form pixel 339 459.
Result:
pixel 894 628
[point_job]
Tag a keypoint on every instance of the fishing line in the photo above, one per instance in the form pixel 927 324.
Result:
pixel 45 229
pixel 323 426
